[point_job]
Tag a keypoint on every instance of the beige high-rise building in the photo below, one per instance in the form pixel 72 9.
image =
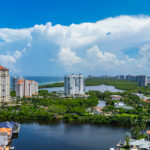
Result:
pixel 4 84
pixel 26 88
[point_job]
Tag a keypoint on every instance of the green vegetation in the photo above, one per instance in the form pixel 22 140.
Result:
pixel 59 84
pixel 51 106
pixel 13 93
pixel 48 108
pixel 119 84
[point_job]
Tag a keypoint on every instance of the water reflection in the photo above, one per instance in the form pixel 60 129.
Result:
pixel 66 136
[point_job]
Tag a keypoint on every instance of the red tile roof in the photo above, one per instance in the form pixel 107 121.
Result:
pixel 2 68
pixel 99 109
pixel 20 81
pixel 146 100
pixel 30 82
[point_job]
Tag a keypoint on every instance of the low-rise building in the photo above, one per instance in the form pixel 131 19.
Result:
pixel 26 88
pixel 122 105
pixel 97 110
pixel 139 144
pixel 116 97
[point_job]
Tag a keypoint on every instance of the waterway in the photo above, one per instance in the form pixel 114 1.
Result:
pixel 67 136
pixel 101 88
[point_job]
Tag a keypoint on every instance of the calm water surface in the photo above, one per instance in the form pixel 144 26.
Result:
pixel 62 136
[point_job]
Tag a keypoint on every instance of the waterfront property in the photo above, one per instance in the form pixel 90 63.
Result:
pixel 98 110
pixel 74 85
pixel 4 84
pixel 7 129
pixel 139 144
pixel 15 127
pixel 26 88
pixel 135 144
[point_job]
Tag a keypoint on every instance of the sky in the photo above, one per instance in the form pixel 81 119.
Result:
pixel 58 37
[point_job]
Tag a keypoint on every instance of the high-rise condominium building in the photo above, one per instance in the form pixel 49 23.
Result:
pixel 142 80
pixel 4 84
pixel 15 80
pixel 74 85
pixel 26 88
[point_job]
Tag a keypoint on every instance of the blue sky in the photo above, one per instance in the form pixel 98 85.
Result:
pixel 57 37
pixel 27 13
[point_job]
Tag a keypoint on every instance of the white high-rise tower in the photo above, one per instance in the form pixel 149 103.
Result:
pixel 74 85
pixel 4 84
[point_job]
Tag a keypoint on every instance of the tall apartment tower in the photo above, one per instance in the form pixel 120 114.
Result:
pixel 74 85
pixel 142 80
pixel 4 84
pixel 15 80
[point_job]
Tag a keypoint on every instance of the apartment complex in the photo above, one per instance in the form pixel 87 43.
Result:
pixel 142 80
pixel 26 88
pixel 74 85
pixel 4 84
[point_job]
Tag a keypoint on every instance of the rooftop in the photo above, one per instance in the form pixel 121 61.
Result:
pixel 145 100
pixel 99 109
pixel 20 81
pixel 116 96
pixel 3 69
pixel 122 105
pixel 29 81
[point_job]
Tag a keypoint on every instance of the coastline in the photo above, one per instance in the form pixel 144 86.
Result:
pixel 52 82
pixel 118 84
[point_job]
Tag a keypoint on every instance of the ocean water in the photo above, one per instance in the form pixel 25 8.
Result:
pixel 44 79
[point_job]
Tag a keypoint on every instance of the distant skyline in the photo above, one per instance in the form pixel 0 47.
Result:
pixel 55 37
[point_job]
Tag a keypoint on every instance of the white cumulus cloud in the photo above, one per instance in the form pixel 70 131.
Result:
pixel 95 48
